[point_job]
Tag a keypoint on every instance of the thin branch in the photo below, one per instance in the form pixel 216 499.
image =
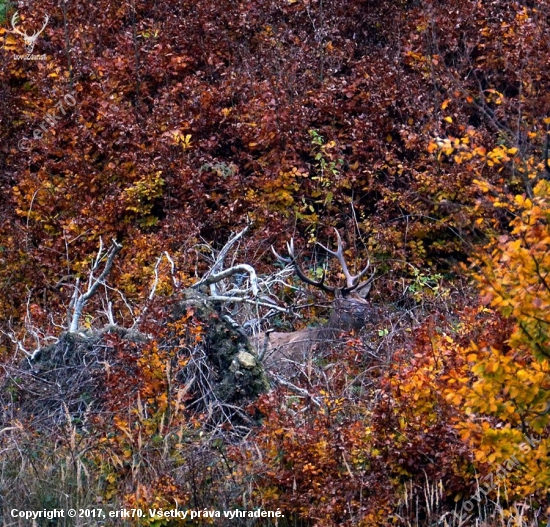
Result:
pixel 250 301
pixel 298 390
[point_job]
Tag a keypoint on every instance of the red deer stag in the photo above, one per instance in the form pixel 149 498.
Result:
pixel 281 351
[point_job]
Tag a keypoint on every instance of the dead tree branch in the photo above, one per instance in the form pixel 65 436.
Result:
pixel 79 300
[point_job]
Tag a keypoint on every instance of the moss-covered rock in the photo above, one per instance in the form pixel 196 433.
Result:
pixel 239 376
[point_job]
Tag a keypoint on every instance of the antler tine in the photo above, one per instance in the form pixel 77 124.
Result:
pixel 290 248
pixel 14 20
pixel 281 259
pixel 315 283
pixel 339 255
pixel 36 33
pixel 364 272
pixel 364 284
pixel 45 23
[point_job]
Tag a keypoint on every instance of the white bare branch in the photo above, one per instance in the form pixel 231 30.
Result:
pixel 212 279
pixel 239 285
pixel 250 301
pixel 166 255
pixel 217 273
pixel 296 389
pixel 79 300
pixel 220 260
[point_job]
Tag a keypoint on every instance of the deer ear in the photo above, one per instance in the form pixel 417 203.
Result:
pixel 363 290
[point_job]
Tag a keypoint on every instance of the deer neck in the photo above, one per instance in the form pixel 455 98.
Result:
pixel 348 314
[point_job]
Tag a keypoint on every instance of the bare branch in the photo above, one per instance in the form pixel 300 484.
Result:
pixel 79 300
pixel 220 260
pixel 222 275
pixel 296 389
pixel 242 300
pixel 239 285
pixel 216 273
pixel 156 280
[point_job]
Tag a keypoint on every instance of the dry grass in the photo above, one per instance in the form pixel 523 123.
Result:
pixel 425 506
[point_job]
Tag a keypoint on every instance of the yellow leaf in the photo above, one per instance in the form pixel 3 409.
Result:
pixel 480 150
pixel 455 399
pixel 491 367
pixel 448 119
pixel 445 104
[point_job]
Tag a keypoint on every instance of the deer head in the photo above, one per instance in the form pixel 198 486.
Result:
pixel 29 40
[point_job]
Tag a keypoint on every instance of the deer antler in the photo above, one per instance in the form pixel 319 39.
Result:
pixel 46 19
pixel 292 261
pixel 29 39
pixel 352 282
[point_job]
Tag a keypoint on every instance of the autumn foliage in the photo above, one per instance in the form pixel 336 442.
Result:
pixel 419 129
